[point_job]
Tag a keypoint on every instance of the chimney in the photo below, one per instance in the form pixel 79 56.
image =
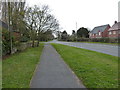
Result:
pixel 115 22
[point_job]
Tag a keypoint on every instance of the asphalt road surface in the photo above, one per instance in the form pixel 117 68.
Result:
pixel 52 72
pixel 103 48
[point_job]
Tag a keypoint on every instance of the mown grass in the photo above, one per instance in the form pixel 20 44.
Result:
pixel 96 70
pixel 0 73
pixel 17 70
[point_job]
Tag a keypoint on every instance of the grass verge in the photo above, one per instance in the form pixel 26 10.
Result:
pixel 18 69
pixel 115 44
pixel 96 70
pixel 102 43
pixel 0 73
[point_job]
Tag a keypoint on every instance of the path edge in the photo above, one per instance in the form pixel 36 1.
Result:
pixel 35 68
pixel 76 77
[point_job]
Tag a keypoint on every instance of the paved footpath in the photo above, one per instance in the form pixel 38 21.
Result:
pixel 52 72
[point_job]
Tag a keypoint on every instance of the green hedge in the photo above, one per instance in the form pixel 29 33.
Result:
pixel 104 40
pixel 24 39
pixel 5 42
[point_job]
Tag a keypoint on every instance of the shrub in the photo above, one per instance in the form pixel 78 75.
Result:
pixel 5 42
pixel 83 39
pixel 104 40
pixel 113 40
pixel 24 39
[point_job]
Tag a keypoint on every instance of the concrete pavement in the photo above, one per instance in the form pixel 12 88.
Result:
pixel 52 72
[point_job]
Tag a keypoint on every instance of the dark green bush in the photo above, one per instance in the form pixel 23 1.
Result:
pixel 5 42
pixel 113 40
pixel 83 39
pixel 104 40
pixel 24 39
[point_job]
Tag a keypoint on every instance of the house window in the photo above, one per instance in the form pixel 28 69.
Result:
pixel 114 32
pixel 99 33
pixel 110 33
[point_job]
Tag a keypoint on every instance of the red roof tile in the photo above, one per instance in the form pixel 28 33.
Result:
pixel 115 27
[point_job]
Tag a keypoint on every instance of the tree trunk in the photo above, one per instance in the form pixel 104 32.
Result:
pixel 38 39
pixel 38 43
pixel 33 43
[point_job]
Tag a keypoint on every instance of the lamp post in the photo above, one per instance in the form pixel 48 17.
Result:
pixel 76 29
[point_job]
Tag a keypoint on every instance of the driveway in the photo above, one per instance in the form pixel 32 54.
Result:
pixel 103 48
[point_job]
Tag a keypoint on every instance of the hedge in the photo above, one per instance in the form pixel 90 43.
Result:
pixel 104 40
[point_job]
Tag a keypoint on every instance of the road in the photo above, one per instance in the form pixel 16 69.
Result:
pixel 103 48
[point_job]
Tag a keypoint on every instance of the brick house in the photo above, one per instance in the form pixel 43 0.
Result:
pixel 3 26
pixel 99 31
pixel 114 31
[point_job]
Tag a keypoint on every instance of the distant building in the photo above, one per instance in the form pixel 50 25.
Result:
pixel 4 26
pixel 114 31
pixel 99 31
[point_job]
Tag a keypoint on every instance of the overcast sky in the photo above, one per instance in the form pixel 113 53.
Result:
pixel 87 13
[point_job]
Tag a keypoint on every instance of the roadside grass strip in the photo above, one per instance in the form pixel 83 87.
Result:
pixel 18 69
pixel 114 44
pixel 96 70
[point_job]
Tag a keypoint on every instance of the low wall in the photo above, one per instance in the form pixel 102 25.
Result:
pixel 22 47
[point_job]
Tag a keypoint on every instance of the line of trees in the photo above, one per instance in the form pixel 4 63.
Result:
pixel 80 33
pixel 32 23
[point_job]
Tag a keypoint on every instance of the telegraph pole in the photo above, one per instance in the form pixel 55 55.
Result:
pixel 76 26
pixel 76 31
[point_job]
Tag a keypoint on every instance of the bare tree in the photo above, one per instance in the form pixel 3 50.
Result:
pixel 46 21
pixel 39 20
pixel 30 19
